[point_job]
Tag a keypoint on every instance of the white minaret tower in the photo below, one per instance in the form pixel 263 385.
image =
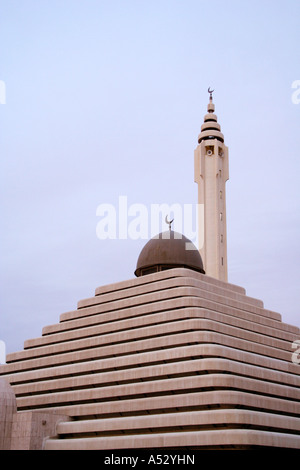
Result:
pixel 211 174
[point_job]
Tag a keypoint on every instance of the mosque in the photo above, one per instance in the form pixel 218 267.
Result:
pixel 174 358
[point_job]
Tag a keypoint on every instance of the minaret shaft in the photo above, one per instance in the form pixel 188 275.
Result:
pixel 211 174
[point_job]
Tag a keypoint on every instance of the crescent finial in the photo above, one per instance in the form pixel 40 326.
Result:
pixel 168 222
pixel 210 92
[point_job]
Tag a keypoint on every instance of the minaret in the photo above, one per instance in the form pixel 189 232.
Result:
pixel 211 174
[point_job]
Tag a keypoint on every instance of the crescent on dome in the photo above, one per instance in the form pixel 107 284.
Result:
pixel 168 222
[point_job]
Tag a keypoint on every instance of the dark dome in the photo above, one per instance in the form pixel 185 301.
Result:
pixel 168 250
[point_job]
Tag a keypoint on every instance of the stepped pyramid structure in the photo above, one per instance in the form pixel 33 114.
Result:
pixel 171 359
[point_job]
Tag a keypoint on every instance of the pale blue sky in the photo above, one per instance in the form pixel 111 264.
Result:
pixel 106 98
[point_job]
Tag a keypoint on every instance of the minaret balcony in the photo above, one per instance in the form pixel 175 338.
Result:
pixel 210 126
pixel 211 134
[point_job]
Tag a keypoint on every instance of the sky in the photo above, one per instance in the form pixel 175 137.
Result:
pixel 102 101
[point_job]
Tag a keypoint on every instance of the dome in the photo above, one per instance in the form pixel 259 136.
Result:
pixel 168 250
